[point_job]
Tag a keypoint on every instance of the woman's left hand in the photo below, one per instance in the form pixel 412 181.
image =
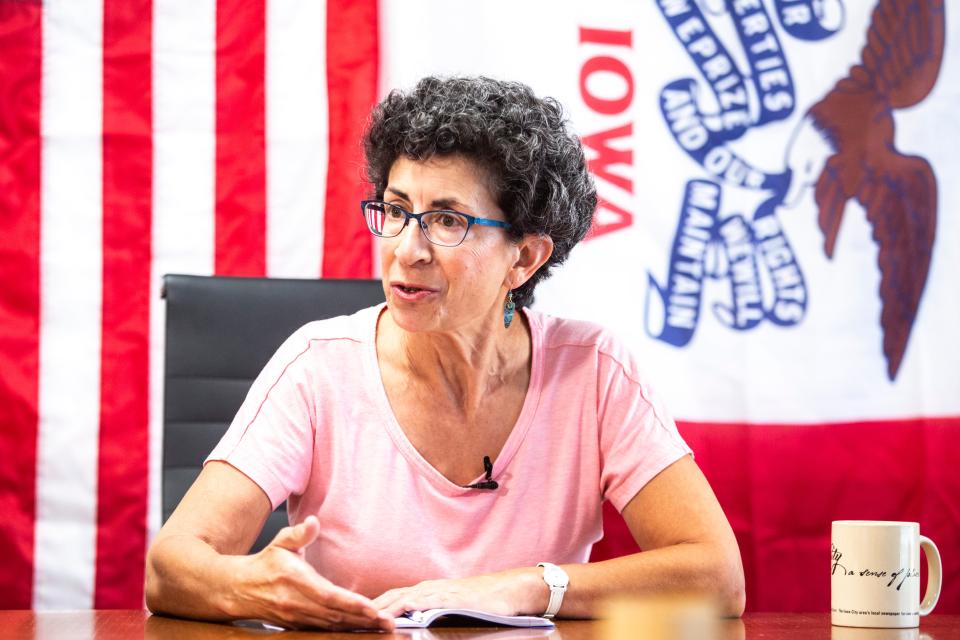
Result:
pixel 508 593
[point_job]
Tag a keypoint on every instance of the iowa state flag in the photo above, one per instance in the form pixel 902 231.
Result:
pixel 774 240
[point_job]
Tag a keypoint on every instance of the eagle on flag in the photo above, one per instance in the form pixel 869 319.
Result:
pixel 845 147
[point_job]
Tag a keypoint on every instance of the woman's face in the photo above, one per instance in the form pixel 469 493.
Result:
pixel 434 288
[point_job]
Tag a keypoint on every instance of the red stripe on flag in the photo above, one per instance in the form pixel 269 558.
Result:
pixel 352 67
pixel 241 176
pixel 782 485
pixel 20 73
pixel 122 483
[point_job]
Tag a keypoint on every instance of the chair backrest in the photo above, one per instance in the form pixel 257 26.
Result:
pixel 220 333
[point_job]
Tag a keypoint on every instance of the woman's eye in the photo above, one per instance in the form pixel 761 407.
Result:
pixel 394 212
pixel 449 220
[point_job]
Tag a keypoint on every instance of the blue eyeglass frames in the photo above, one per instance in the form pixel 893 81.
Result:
pixel 442 227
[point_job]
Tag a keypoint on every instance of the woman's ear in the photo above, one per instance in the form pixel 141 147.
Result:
pixel 535 250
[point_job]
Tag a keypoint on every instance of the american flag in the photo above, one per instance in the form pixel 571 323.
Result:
pixel 140 137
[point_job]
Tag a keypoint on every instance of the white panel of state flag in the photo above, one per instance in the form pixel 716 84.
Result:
pixel 710 253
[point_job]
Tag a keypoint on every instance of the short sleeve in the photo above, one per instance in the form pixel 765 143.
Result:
pixel 271 438
pixel 638 438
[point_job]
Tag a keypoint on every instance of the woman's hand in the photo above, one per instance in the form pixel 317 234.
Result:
pixel 197 567
pixel 278 585
pixel 509 593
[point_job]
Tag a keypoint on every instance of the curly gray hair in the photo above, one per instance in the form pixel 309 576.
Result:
pixel 537 169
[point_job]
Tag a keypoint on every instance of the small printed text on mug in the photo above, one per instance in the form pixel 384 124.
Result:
pixel 894 577
pixel 858 612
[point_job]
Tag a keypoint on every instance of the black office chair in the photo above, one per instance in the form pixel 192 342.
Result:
pixel 220 333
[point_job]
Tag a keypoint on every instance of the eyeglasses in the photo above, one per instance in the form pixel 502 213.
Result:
pixel 445 228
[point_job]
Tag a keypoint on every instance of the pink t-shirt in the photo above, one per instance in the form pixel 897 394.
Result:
pixel 316 429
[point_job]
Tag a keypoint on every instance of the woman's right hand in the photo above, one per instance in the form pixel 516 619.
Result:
pixel 279 586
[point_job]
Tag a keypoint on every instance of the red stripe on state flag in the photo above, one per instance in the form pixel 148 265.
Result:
pixel 352 68
pixel 127 212
pixel 20 77
pixel 782 485
pixel 241 175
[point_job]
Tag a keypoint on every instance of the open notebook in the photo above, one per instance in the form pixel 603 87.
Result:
pixel 465 618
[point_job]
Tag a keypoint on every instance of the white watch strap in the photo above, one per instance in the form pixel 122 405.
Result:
pixel 557 588
pixel 556 599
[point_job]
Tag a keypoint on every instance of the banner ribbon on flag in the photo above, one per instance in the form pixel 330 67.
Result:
pixel 753 255
pixel 810 19
pixel 680 299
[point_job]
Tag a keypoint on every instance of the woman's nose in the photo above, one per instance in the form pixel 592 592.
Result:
pixel 413 245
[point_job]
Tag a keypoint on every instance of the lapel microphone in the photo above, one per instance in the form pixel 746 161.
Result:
pixel 488 482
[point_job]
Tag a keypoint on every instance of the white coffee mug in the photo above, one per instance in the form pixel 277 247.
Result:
pixel 875 574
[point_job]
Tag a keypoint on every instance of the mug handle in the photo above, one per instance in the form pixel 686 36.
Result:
pixel 934 575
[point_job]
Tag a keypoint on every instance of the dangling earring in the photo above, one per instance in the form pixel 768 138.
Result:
pixel 508 309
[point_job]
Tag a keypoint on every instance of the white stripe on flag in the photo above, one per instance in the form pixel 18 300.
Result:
pixel 184 117
pixel 297 136
pixel 71 284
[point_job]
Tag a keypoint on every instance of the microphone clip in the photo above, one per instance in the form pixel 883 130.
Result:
pixel 488 483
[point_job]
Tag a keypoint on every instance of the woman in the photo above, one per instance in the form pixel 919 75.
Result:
pixel 435 450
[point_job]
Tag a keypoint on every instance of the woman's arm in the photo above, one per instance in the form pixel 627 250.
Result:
pixel 195 570
pixel 688 546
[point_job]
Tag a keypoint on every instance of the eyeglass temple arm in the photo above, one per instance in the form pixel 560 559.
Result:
pixel 484 222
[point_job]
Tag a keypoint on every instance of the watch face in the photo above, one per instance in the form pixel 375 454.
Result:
pixel 555 576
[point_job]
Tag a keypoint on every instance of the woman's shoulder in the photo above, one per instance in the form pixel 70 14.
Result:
pixel 558 332
pixel 570 334
pixel 348 331
pixel 358 327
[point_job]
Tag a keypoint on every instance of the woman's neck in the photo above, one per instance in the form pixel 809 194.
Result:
pixel 468 364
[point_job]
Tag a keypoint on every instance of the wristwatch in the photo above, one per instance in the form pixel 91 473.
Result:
pixel 557 579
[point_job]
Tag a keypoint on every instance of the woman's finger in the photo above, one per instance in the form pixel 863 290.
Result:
pixel 409 602
pixel 323 599
pixel 341 619
pixel 384 599
pixel 400 602
pixel 419 597
pixel 303 620
pixel 327 594
pixel 298 537
pixel 300 606
pixel 397 608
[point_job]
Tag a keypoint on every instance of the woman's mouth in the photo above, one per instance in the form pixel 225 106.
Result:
pixel 411 292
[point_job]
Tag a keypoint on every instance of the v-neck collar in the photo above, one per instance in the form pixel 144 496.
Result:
pixel 517 434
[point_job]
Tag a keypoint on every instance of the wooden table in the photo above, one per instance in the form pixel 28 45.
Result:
pixel 126 625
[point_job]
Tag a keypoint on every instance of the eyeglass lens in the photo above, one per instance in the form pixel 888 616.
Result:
pixel 446 228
